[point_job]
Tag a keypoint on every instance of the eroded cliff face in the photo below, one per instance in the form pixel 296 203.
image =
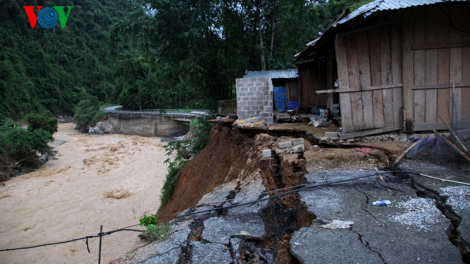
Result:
pixel 232 154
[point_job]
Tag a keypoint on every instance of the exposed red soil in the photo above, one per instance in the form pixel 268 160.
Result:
pixel 222 160
pixel 283 254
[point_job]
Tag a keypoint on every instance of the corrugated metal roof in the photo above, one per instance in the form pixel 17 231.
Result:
pixel 381 5
pixel 368 9
pixel 274 74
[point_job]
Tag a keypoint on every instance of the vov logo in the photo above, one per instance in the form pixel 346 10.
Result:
pixel 47 16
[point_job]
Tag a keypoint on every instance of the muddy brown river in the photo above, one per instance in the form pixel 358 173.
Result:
pixel 109 180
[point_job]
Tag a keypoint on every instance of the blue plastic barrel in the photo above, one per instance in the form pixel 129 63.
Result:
pixel 280 98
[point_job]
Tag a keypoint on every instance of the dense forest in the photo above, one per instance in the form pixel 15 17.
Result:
pixel 149 53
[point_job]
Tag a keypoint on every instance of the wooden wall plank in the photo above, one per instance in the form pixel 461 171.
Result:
pixel 385 48
pixel 456 53
pixel 431 66
pixel 466 59
pixel 443 57
pixel 354 82
pixel 396 74
pixel 375 57
pixel 407 68
pixel 419 62
pixel 343 81
pixel 365 79
pixel 376 76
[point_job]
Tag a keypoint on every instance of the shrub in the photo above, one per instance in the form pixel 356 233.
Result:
pixel 45 121
pixel 174 167
pixel 88 112
pixel 201 129
pixel 153 231
pixel 17 140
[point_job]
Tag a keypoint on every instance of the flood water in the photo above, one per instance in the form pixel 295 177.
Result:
pixel 109 180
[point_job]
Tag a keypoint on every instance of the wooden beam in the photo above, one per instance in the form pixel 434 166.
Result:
pixel 388 23
pixel 429 126
pixel 441 46
pixel 329 79
pixel 440 86
pixel 407 67
pixel 369 132
pixel 363 89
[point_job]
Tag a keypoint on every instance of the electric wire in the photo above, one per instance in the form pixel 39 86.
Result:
pixel 225 207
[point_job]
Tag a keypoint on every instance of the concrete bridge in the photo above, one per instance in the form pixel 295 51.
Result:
pixel 152 122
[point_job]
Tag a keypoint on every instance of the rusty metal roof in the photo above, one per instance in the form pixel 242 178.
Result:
pixel 274 74
pixel 382 5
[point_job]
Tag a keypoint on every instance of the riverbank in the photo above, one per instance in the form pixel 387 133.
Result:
pixel 109 180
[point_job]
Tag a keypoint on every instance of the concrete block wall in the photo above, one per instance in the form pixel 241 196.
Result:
pixel 255 98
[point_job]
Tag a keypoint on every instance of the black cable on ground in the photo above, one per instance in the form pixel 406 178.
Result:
pixel 213 209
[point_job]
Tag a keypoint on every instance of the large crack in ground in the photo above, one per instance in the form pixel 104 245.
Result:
pixel 449 213
pixel 224 235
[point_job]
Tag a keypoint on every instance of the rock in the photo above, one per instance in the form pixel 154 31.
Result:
pixel 101 128
pixel 165 251
pixel 222 229
pixel 351 140
pixel 237 245
pixel 298 148
pixel 210 253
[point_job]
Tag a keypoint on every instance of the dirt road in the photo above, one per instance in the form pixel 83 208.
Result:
pixel 109 180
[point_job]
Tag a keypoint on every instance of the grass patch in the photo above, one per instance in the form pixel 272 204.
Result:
pixel 153 230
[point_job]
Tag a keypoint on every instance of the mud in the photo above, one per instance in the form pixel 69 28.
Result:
pixel 109 180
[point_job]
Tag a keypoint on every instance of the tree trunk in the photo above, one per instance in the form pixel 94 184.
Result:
pixel 273 27
pixel 263 63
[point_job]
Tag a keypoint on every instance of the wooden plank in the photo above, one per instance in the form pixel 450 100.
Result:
pixel 419 66
pixel 375 58
pixel 386 60
pixel 440 86
pixel 456 53
pixel 364 71
pixel 376 76
pixel 429 126
pixel 329 79
pixel 396 75
pixel 369 132
pixel 354 82
pixel 385 53
pixel 369 28
pixel 441 45
pixel 372 88
pixel 443 58
pixel 431 66
pixel 343 81
pixel 407 68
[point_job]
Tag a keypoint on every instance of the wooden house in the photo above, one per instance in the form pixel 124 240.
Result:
pixel 395 62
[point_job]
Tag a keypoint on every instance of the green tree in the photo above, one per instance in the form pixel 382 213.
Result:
pixel 44 121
